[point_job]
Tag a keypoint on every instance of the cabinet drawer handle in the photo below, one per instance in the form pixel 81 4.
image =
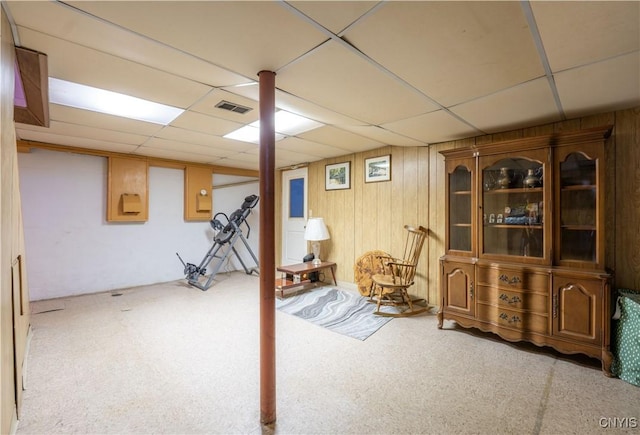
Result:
pixel 513 319
pixel 512 300
pixel 511 281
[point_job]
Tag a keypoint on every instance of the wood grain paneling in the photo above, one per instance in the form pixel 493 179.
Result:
pixel 7 365
pixel 196 179
pixel 14 291
pixel 127 176
pixel 627 199
pixel 424 286
pixel 372 215
pixel 34 72
pixel 437 222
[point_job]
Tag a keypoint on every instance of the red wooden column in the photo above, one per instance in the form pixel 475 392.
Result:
pixel 267 249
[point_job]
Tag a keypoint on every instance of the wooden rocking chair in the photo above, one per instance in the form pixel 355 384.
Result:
pixel 390 287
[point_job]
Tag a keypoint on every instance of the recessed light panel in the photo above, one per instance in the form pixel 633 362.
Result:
pixel 286 124
pixel 249 133
pixel 112 103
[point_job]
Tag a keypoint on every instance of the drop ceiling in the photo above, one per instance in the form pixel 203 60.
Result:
pixel 374 73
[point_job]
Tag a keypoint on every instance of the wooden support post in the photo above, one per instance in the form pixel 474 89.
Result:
pixel 267 249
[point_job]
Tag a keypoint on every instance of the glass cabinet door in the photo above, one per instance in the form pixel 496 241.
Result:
pixel 460 209
pixel 578 209
pixel 512 210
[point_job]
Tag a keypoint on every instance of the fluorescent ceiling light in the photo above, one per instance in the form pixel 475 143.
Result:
pixel 286 124
pixel 112 103
pixel 291 124
pixel 248 133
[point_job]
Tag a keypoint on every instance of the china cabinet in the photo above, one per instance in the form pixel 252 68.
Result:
pixel 525 242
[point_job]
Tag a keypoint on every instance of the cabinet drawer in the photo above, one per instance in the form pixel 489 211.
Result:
pixel 513 278
pixel 532 302
pixel 512 319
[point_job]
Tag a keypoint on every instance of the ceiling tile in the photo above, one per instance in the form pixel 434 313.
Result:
pixel 352 143
pixel 232 163
pixel 84 132
pixel 581 32
pixel 339 79
pixel 251 156
pixel 334 16
pixel 382 78
pixel 72 115
pixel 202 139
pixel 308 147
pixel 451 51
pixel 297 105
pixel 296 157
pixel 281 160
pixel 618 87
pixel 534 102
pixel 207 105
pixel 383 135
pixel 190 148
pixel 172 155
pixel 202 123
pixel 70 24
pixel 83 65
pixel 266 34
pixel 433 127
pixel 46 137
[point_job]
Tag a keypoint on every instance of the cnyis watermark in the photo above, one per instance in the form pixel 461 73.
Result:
pixel 618 422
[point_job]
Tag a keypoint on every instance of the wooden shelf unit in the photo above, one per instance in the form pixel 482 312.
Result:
pixel 541 276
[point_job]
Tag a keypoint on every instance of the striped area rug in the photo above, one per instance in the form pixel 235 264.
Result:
pixel 338 310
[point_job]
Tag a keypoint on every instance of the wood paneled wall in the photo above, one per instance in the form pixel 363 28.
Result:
pixel 14 294
pixel 372 215
pixel 626 213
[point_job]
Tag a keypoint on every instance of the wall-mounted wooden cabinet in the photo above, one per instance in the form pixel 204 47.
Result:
pixel 197 193
pixel 127 190
pixel 525 242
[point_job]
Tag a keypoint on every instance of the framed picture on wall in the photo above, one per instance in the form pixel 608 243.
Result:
pixel 377 169
pixel 337 176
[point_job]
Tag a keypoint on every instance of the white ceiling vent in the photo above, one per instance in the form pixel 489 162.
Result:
pixel 226 105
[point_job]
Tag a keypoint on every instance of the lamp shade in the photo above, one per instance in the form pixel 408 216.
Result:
pixel 316 229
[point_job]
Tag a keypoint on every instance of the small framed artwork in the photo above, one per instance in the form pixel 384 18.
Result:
pixel 338 176
pixel 377 169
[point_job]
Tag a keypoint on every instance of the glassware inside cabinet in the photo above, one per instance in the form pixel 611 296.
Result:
pixel 513 208
pixel 578 230
pixel 460 209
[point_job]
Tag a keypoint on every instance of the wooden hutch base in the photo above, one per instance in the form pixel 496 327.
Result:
pixel 525 242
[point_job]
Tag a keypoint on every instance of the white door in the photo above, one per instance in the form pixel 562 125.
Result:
pixel 294 215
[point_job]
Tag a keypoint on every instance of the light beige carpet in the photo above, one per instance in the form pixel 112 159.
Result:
pixel 171 359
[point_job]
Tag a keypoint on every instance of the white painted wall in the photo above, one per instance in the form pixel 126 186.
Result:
pixel 71 249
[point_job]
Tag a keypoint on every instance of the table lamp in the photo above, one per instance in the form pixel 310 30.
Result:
pixel 315 231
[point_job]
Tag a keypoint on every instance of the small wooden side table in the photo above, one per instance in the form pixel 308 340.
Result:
pixel 297 270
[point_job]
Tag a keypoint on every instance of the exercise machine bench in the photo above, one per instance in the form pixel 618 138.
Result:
pixel 226 236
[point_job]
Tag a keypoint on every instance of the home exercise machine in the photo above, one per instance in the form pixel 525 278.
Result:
pixel 225 236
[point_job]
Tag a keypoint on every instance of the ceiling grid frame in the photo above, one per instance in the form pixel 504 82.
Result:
pixel 609 72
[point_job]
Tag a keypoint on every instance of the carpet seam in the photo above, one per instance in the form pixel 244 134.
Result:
pixel 542 408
